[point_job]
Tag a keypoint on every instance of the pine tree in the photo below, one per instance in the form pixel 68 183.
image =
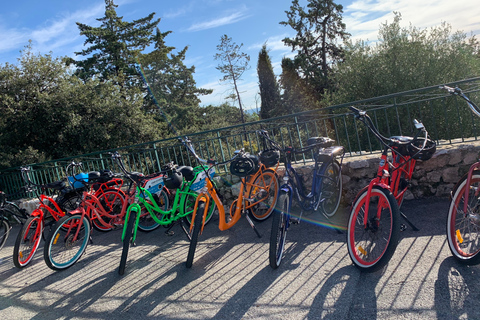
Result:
pixel 233 63
pixel 319 29
pixel 172 84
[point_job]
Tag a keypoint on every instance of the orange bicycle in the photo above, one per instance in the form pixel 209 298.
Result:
pixel 257 195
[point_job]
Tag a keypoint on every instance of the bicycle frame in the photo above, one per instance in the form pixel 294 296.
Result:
pixel 147 200
pixel 388 177
pixel 243 203
pixel 294 186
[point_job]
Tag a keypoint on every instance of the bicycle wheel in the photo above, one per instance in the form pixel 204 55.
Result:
pixel 370 247
pixel 126 242
pixel 146 222
pixel 331 189
pixel 278 235
pixel 197 226
pixel 4 231
pixel 67 242
pixel 190 205
pixel 27 242
pixel 463 228
pixel 264 191
pixel 112 202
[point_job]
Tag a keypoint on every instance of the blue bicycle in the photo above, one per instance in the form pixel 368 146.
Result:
pixel 325 192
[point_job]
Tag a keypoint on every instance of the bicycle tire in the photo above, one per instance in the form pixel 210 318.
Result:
pixel 112 202
pixel 331 190
pixel 278 234
pixel 463 230
pixel 27 242
pixel 4 231
pixel 371 248
pixel 146 222
pixel 197 226
pixel 60 252
pixel 263 183
pixel 126 242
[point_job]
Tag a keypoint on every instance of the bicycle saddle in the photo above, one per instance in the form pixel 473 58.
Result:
pixel 57 185
pixel 328 153
pixel 322 142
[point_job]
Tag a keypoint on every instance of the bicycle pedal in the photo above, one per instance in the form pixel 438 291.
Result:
pixel 294 220
pixel 403 227
pixel 169 233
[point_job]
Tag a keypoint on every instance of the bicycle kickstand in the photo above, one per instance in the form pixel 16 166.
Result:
pixel 414 228
pixel 252 225
pixel 184 230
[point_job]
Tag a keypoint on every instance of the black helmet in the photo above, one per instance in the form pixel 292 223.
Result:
pixel 269 157
pixel 242 166
pixel 173 180
pixel 105 175
pixel 416 152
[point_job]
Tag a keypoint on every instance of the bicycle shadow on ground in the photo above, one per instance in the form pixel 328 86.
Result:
pixel 457 292
pixel 347 294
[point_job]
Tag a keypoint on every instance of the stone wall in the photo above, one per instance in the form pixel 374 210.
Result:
pixel 435 177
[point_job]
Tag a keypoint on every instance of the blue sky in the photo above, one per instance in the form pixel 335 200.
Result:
pixel 199 24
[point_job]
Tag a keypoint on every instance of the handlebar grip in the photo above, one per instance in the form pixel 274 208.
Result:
pixel 355 110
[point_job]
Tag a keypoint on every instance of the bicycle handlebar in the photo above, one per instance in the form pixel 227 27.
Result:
pixel 458 92
pixel 362 116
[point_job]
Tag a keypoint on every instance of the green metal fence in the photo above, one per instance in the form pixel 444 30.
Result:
pixel 447 119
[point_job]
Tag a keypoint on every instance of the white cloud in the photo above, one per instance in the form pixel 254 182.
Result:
pixel 218 22
pixel 364 17
pixel 61 35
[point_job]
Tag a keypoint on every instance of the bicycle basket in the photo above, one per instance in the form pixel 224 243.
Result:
pixel 269 157
pixel 416 152
pixel 244 166
pixel 173 180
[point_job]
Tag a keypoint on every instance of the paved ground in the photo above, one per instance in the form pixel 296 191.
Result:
pixel 231 278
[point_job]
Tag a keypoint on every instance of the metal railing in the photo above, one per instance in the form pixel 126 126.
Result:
pixel 447 119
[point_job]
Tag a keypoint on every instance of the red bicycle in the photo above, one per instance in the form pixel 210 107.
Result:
pixel 105 209
pixel 50 209
pixel 374 225
pixel 463 221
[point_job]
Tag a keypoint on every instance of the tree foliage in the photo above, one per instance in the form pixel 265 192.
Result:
pixel 47 112
pixel 404 59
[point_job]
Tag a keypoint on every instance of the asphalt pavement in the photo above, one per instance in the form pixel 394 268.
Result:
pixel 231 278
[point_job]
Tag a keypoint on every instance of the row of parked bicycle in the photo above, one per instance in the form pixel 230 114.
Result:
pixel 188 196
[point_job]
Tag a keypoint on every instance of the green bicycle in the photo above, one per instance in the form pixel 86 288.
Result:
pixel 187 182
